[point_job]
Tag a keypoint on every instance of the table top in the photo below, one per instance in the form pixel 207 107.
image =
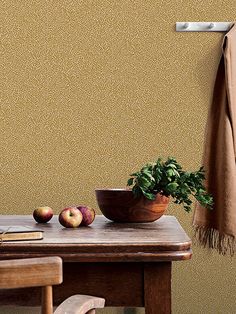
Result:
pixel 102 241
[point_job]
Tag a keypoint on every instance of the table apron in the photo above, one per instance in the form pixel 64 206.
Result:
pixel 103 257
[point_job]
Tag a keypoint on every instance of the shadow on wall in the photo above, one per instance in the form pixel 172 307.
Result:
pixel 206 69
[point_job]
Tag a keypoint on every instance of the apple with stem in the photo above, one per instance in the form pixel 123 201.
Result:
pixel 43 214
pixel 70 217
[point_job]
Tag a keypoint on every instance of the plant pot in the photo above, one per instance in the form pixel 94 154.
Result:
pixel 120 205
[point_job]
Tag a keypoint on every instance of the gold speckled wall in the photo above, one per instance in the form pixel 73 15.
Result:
pixel 92 90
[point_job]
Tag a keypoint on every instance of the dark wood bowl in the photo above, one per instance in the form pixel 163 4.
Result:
pixel 120 205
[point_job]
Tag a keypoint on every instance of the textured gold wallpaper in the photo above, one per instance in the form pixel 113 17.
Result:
pixel 92 90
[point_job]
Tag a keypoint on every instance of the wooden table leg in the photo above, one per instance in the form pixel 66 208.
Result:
pixel 157 288
pixel 47 303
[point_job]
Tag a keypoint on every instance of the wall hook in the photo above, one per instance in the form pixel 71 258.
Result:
pixel 186 25
pixel 203 26
pixel 211 25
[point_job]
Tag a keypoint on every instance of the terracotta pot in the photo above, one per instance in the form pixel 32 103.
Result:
pixel 120 205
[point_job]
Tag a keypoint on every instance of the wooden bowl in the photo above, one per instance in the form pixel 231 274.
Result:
pixel 120 205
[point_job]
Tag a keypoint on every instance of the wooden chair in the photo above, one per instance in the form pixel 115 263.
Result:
pixel 45 272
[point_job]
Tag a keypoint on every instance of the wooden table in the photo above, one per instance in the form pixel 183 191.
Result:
pixel 127 264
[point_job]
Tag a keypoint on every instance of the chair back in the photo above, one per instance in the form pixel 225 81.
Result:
pixel 33 272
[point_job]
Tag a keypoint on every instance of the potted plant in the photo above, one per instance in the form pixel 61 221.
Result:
pixel 150 190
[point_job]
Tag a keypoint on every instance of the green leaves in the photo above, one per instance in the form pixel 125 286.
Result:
pixel 172 187
pixel 149 196
pixel 130 181
pixel 168 178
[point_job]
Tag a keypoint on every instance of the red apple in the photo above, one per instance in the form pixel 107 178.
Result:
pixel 43 214
pixel 88 215
pixel 70 217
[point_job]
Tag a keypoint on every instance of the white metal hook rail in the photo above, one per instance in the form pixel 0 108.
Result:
pixel 203 26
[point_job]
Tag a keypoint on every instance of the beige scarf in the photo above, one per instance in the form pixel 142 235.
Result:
pixel 217 228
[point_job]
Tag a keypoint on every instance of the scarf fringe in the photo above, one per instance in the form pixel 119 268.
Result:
pixel 213 239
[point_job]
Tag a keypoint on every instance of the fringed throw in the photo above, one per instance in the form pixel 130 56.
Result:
pixel 217 228
pixel 211 238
